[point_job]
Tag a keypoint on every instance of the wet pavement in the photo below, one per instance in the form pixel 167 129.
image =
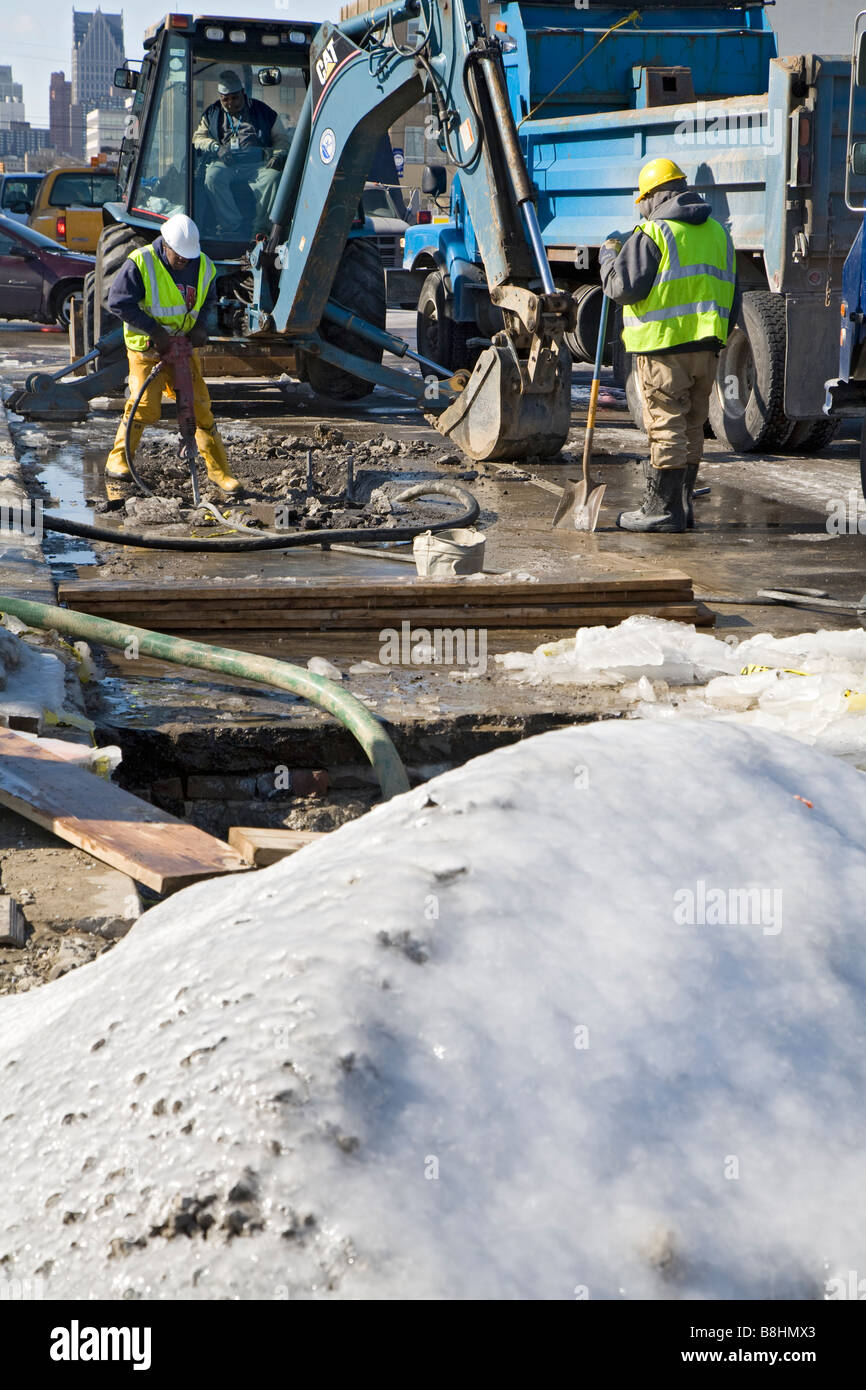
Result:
pixel 763 525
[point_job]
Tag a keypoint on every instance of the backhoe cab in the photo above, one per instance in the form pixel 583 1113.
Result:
pixel 300 285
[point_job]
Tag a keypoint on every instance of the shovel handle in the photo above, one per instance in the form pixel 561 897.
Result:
pixel 593 391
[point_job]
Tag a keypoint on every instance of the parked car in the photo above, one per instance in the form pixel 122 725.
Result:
pixel 17 192
pixel 38 278
pixel 68 206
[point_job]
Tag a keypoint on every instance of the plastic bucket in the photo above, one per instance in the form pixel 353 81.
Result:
pixel 449 552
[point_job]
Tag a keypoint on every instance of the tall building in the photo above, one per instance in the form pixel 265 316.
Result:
pixel 59 102
pixel 104 132
pixel 77 129
pixel 9 90
pixel 97 49
pixel 10 111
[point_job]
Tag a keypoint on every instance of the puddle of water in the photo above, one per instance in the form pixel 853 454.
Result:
pixel 63 475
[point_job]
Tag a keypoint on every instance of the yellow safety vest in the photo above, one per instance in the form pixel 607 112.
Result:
pixel 693 291
pixel 163 299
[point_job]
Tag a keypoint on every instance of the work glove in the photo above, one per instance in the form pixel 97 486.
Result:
pixel 161 339
pixel 609 250
pixel 197 334
pixel 277 160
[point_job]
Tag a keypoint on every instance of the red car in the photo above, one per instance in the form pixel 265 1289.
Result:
pixel 38 278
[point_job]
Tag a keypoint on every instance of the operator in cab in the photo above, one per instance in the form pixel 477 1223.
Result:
pixel 247 144
pixel 676 278
pixel 161 291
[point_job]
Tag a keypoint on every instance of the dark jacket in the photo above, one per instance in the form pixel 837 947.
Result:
pixel 628 277
pixel 127 290
pixel 255 113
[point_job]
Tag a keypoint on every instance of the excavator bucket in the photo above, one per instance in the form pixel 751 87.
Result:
pixel 503 415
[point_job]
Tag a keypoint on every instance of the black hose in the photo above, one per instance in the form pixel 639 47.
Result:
pixel 296 538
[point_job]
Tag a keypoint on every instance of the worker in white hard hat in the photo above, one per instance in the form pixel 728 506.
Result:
pixel 161 290
pixel 246 144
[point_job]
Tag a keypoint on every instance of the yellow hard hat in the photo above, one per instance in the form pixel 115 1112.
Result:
pixel 654 174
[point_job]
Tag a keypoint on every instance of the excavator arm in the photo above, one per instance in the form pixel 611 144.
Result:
pixel 517 399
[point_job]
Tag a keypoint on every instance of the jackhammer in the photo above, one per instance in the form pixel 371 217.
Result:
pixel 179 356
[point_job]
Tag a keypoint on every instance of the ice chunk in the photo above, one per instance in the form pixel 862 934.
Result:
pixel 320 666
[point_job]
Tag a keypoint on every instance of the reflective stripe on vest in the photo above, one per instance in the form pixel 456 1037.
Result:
pixel 693 292
pixel 163 299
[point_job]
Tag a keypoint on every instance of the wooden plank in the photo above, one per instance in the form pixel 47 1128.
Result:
pixel 115 827
pixel 244 607
pixel 13 930
pixel 262 847
pixel 364 590
pixel 361 620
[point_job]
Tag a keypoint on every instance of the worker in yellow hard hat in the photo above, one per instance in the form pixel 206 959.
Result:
pixel 675 276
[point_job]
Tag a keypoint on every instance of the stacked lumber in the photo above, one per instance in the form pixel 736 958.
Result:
pixel 193 609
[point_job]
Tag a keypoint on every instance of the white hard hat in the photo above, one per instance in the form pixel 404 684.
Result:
pixel 181 234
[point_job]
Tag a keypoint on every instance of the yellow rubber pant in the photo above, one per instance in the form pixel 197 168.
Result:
pixel 675 390
pixel 207 436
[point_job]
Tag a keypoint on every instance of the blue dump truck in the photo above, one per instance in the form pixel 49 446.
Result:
pixel 598 90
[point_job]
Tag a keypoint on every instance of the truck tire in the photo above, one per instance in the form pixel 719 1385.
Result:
pixel 112 249
pixel 359 284
pixel 811 436
pixel 747 403
pixel 87 316
pixel 440 337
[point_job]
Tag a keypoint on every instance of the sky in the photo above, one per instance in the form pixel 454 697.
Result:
pixel 37 40
pixel 34 54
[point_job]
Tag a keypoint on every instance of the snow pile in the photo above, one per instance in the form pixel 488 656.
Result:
pixel 582 1018
pixel 639 646
pixel 811 686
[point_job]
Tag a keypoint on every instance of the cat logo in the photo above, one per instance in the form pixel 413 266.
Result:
pixel 326 64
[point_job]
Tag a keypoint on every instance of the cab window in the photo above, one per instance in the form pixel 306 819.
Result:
pixel 82 190
pixel 280 87
pixel 164 168
pixel 17 192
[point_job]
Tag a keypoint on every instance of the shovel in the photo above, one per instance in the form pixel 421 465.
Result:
pixel 581 501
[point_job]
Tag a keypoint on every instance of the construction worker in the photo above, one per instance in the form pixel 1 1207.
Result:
pixel 675 277
pixel 247 143
pixel 159 291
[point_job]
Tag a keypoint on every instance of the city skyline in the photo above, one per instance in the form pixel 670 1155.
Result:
pixel 33 57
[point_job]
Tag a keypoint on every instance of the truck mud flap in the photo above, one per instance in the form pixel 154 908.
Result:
pixel 812 355
pixel 498 417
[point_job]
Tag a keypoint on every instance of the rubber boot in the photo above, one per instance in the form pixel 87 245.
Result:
pixel 213 451
pixel 688 491
pixel 221 477
pixel 662 507
pixel 118 468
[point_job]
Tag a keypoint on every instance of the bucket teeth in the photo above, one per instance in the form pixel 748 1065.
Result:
pixel 497 416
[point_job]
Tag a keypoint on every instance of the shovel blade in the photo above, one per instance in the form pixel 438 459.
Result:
pixel 496 418
pixel 580 506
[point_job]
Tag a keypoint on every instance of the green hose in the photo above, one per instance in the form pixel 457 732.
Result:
pixel 316 689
